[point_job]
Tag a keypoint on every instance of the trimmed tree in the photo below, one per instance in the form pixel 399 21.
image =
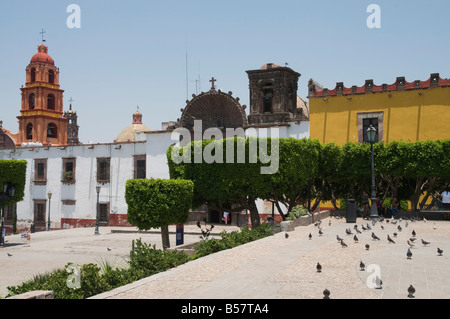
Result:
pixel 158 203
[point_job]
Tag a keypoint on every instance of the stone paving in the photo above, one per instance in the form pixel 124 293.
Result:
pixel 272 268
pixel 280 268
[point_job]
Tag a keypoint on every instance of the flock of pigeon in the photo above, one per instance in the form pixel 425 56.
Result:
pixel 411 242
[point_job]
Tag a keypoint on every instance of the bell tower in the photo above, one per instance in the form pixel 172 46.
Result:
pixel 273 95
pixel 41 119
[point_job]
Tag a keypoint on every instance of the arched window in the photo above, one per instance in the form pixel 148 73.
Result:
pixel 51 102
pixel 33 75
pixel 52 131
pixel 29 131
pixel 51 77
pixel 31 101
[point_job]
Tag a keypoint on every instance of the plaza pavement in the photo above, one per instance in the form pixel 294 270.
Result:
pixel 280 268
pixel 272 268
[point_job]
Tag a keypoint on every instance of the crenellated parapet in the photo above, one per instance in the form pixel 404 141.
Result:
pixel 316 90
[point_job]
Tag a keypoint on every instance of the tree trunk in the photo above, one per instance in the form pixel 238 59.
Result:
pixel 254 214
pixel 165 237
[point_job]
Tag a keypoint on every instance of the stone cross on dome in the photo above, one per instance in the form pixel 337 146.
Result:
pixel 213 80
pixel 42 34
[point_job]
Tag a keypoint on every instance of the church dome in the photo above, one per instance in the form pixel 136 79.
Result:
pixel 129 133
pixel 269 66
pixel 42 56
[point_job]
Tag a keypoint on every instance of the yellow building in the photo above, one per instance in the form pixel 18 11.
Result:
pixel 403 111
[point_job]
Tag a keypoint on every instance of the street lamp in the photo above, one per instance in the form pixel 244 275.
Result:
pixel 371 138
pixel 49 195
pixel 8 193
pixel 96 220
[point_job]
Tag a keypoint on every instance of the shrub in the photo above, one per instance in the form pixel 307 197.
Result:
pixel 296 212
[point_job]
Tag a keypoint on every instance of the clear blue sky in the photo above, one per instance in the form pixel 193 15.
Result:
pixel 130 53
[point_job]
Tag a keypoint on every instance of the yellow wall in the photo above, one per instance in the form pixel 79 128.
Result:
pixel 407 115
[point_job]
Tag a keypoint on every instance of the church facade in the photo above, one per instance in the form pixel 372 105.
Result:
pixel 63 174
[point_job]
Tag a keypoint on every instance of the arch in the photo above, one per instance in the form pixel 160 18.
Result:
pixel 29 131
pixel 51 77
pixel 51 102
pixel 31 101
pixel 33 75
pixel 52 130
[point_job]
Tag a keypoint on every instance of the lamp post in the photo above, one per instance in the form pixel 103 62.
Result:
pixel 371 137
pixel 98 188
pixel 49 195
pixel 8 193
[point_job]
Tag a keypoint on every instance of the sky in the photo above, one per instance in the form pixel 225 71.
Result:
pixel 156 54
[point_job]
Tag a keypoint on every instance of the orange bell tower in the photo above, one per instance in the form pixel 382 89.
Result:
pixel 41 119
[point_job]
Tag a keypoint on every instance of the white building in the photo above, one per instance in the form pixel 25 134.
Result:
pixel 72 173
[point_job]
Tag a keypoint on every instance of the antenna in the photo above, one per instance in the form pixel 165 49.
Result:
pixel 187 73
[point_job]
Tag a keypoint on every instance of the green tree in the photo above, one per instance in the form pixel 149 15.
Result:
pixel 158 203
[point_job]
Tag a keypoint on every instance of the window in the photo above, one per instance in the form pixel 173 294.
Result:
pixel 9 213
pixel 39 212
pixel 103 170
pixel 103 213
pixel 69 170
pixel 33 75
pixel 52 131
pixel 31 101
pixel 51 102
pixel 140 164
pixel 365 120
pixel 29 131
pixel 51 77
pixel 268 99
pixel 40 171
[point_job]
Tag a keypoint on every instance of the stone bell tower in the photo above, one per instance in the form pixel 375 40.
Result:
pixel 41 119
pixel 273 95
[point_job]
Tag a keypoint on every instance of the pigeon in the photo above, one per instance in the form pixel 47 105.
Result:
pixel 286 235
pixel 367 246
pixel 413 233
pixel 395 234
pixel 394 222
pixel 109 249
pixel 310 236
pixel 379 282
pixel 399 228
pixel 368 226
pixel 362 266
pixel 338 238
pixel 424 219
pixel 434 226
pixel 358 231
pixel 406 224
pixel 440 251
pixel 410 243
pixel 329 222
pixel 343 244
pixel 409 254
pixel 382 227
pixel 355 238
pixel 424 242
pixel 319 267
pixel 320 232
pixel 390 239
pixel 411 291
pixel 375 236
pixel 348 231
pixel 364 228
pixel 9 255
pixel 412 239
pixel 326 294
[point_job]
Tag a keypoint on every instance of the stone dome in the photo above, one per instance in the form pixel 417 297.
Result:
pixel 129 133
pixel 42 56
